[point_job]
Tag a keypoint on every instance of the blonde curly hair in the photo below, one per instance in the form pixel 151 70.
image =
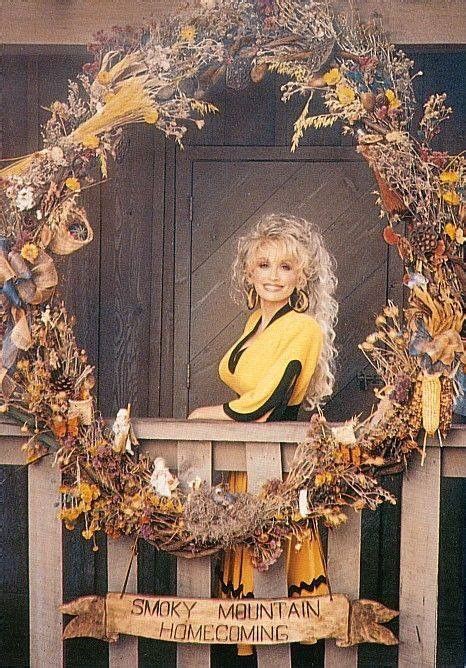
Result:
pixel 303 243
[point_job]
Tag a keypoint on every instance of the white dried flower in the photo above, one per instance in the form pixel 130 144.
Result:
pixel 25 198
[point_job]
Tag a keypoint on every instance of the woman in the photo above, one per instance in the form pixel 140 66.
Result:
pixel 283 358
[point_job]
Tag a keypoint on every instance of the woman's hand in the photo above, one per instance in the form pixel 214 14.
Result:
pixel 209 413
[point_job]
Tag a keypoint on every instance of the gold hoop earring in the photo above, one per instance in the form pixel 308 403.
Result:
pixel 252 298
pixel 299 301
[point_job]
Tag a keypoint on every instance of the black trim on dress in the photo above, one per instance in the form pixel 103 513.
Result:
pixel 238 350
pixel 278 400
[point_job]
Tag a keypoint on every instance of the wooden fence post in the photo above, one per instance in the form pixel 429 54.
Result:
pixel 123 653
pixel 193 575
pixel 419 559
pixel 343 561
pixel 45 566
pixel 264 462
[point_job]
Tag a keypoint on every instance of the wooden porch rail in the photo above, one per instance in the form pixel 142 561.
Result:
pixel 264 451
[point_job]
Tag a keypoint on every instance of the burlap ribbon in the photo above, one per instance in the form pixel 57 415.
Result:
pixel 22 283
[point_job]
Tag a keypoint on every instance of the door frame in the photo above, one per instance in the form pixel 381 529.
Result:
pixel 183 234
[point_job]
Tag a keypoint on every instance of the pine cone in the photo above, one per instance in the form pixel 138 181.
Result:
pixel 61 383
pixel 423 239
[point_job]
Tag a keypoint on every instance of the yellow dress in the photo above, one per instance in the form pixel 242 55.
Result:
pixel 272 374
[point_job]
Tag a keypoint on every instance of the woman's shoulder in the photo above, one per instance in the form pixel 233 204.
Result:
pixel 305 323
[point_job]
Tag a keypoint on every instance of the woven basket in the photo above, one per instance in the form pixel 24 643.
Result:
pixel 68 216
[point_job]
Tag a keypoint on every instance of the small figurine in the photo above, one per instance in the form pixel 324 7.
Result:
pixel 161 479
pixel 123 434
pixel 223 497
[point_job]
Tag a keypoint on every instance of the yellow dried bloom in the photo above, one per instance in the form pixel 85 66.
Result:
pixel 73 184
pixel 450 230
pixel 29 252
pixel 345 94
pixel 88 492
pixel 332 77
pixel 188 33
pixel 393 101
pixel 322 478
pixel 451 197
pixel 151 116
pixel 449 177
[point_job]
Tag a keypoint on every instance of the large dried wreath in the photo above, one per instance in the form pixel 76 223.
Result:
pixel 162 74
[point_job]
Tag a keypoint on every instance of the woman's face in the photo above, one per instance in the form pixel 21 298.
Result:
pixel 274 274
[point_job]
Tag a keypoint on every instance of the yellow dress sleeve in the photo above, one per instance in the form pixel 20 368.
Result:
pixel 274 389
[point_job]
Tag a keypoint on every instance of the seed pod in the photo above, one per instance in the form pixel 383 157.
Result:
pixel 368 101
pixel 431 391
pixel 381 100
pixel 258 72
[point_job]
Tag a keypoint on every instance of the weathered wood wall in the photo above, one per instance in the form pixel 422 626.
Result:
pixel 121 288
pixel 57 22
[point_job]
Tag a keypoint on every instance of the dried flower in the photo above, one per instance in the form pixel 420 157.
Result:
pixel 73 184
pixel 332 77
pixel 393 101
pixel 450 231
pixel 30 252
pixel 449 177
pixel 345 94
pixel 25 199
pixel 451 197
pixel 151 117
pixel 188 33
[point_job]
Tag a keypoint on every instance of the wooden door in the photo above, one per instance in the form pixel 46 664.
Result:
pixel 221 192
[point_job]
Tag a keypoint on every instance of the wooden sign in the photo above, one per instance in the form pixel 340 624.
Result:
pixel 225 621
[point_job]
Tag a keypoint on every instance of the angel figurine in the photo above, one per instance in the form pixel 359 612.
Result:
pixel 123 434
pixel 161 479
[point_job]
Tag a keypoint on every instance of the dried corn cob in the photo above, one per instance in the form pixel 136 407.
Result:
pixel 431 391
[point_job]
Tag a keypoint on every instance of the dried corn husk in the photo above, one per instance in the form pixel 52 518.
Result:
pixel 63 242
pixel 431 392
pixel 131 103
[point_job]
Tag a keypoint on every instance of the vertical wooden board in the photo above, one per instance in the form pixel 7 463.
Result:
pixel 249 115
pixel 264 462
pixel 14 111
pixel 168 277
pixel 14 600
pixel 182 287
pixel 380 568
pixel 419 559
pixel 157 290
pixel 123 653
pixel 84 573
pixel 156 575
pixel 452 585
pixel 343 560
pixel 125 278
pixel 194 575
pixel 45 566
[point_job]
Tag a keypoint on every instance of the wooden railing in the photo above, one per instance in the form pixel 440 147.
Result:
pixel 264 451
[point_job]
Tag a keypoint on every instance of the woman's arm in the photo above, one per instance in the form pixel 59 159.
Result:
pixel 217 413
